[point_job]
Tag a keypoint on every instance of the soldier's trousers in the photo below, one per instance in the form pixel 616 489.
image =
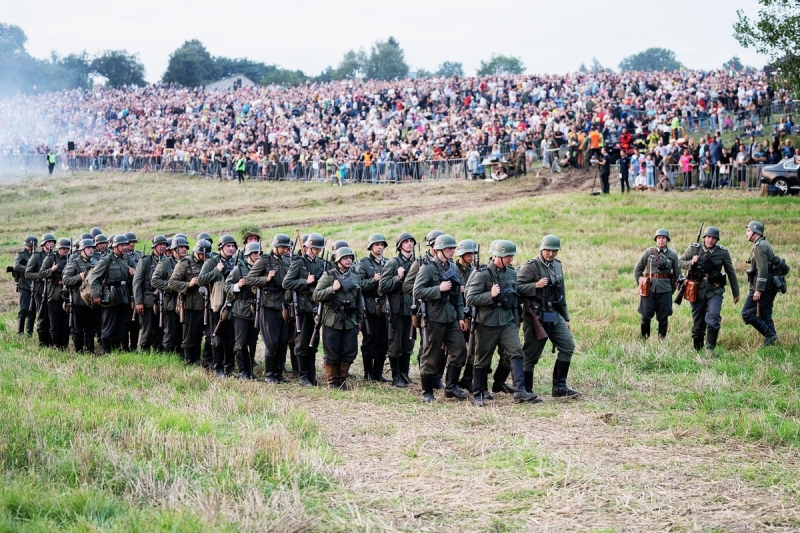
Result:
pixel 306 355
pixel 246 341
pixel 86 324
pixel 222 344
pixel 339 345
pixel 450 336
pixel 172 331
pixel 26 315
pixel 43 320
pixel 658 304
pixel 401 345
pixel 706 314
pixel 487 338
pixel 558 333
pixel 132 338
pixel 275 333
pixel 59 324
pixel 115 326
pixel 759 314
pixel 375 345
pixel 150 336
pixel 207 361
pixel 192 335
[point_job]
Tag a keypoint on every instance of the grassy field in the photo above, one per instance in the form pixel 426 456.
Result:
pixel 663 438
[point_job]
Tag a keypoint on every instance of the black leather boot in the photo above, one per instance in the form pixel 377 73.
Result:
pixel 438 384
pixel 711 339
pixel 528 380
pixel 21 325
pixel 645 329
pixel 368 362
pixel 377 369
pixel 426 380
pixel 518 378
pixel 697 341
pixel 478 380
pixel 560 387
pixel 397 380
pixel 405 368
pixel 500 377
pixel 466 381
pixel 662 329
pixel 452 390
pixel 269 370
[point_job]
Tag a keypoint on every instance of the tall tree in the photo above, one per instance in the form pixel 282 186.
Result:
pixel 224 67
pixel 733 63
pixel 386 61
pixel 449 69
pixel 596 67
pixel 12 39
pixel 119 68
pixel 651 59
pixel 351 67
pixel 190 65
pixel 500 65
pixel 776 34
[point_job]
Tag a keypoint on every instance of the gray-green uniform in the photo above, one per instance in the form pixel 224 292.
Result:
pixel 27 312
pixel 85 319
pixel 134 327
pixel 151 336
pixel 760 277
pixel 169 300
pixel 400 345
pixel 59 318
pixel 663 269
pixel 34 273
pixel 191 300
pixel 109 282
pixel 220 357
pixel 465 271
pixel 243 313
pixel 374 345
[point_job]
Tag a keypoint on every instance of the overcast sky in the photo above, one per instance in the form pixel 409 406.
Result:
pixel 549 37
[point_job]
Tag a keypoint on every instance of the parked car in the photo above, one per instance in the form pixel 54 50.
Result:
pixel 782 175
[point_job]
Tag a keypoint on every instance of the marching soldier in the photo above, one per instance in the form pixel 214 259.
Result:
pixel 100 246
pixel 757 308
pixel 658 269
pixel 110 290
pixel 541 282
pixel 34 273
pixel 301 251
pixel 374 344
pixel 465 252
pixel 133 256
pixel 151 335
pixel 438 285
pixel 301 280
pixel 268 274
pixel 709 259
pixel 160 281
pixel 27 313
pixel 53 271
pixel 190 300
pixel 339 292
pixel 390 287
pixel 243 297
pixel 215 271
pixel 249 234
pixel 94 232
pixel 85 318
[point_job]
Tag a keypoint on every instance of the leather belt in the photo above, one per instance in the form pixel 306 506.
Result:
pixel 657 276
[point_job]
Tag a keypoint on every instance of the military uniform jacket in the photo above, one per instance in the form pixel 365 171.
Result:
pixel 392 285
pixel 56 278
pixel 211 277
pixel 658 262
pixel 341 309
pixel 133 257
pixel 142 284
pixel 554 294
pixel 272 293
pixel 111 271
pixel 244 300
pixel 367 268
pixel 760 260
pixel 186 269
pixel 20 262
pixel 411 273
pixel 442 307
pixel 490 312
pixel 295 280
pixel 160 281
pixel 712 282
pixel 77 265
pixel 33 272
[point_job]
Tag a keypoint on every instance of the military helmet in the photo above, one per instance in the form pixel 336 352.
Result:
pixel 47 237
pixel 504 248
pixel 178 241
pixel 119 239
pixel 160 239
pixel 342 252
pixel 430 238
pixel 444 241
pixel 303 239
pixel 131 236
pixel 403 237
pixel 95 231
pixel 754 226
pixel 100 239
pixel 550 242
pixel 467 246
pixel 64 243
pixel 711 231
pixel 315 240
pixel 202 247
pixel 226 239
pixel 204 235
pixel 339 244
pixel 375 238
pixel 181 235
pixel 491 248
pixel 250 232
pixel 252 247
pixel 662 233
pixel 86 243
pixel 30 240
pixel 86 236
pixel 111 239
pixel 281 239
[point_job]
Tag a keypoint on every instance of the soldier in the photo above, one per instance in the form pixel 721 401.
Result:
pixel 94 232
pixel 375 344
pixel 268 274
pixel 708 260
pixel 133 256
pixel 757 308
pixel 85 319
pixel 492 291
pixel 301 280
pixel 438 285
pixel 100 246
pixel 160 281
pixel 541 281
pixel 302 250
pixel 35 274
pixel 151 335
pixel 215 271
pixel 249 234
pixel 243 297
pixel 27 313
pixel 339 292
pixel 390 287
pixel 110 290
pixel 53 271
pixel 465 252
pixel 658 268
pixel 190 300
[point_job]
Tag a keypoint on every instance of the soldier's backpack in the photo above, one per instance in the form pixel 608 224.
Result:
pixel 779 269
pixel 86 289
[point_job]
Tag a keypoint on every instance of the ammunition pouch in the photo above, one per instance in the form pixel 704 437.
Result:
pixel 718 280
pixel 507 299
pixel 780 284
pixel 778 266
pixel 751 274
pixel 690 294
pixel 548 317
pixel 345 307
pixel 110 296
pixel 347 283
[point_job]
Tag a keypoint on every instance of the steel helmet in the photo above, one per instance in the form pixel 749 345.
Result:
pixel 341 253
pixel 178 241
pixel 375 238
pixel 204 236
pixel 160 239
pixel 131 236
pixel 100 239
pixel 711 231
pixel 504 248
pixel 444 241
pixel 111 240
pixel 47 237
pixel 202 247
pixel 430 238
pixel 30 240
pixel 339 244
pixel 86 243
pixel 315 240
pixel 467 246
pixel 252 247
pixel 181 235
pixel 303 239
pixel 86 236
pixel 550 242
pixel 95 231
pixel 754 226
pixel 250 232
pixel 662 233
pixel 225 239
pixel 119 239
pixel 491 248
pixel 64 243
pixel 403 237
pixel 281 239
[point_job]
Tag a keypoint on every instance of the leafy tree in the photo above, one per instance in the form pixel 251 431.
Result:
pixel 596 67
pixel 12 39
pixel 119 68
pixel 351 67
pixel 190 65
pixel 449 69
pixel 386 61
pixel 422 73
pixel 776 34
pixel 500 65
pixel 281 76
pixel 582 69
pixel 651 59
pixel 325 76
pixel 733 63
pixel 224 67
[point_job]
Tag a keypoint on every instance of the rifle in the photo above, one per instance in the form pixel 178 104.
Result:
pixel 296 311
pixel 160 295
pixel 31 304
pixel 294 244
pixel 367 329
pixel 690 276
pixel 424 324
pixel 258 308
pixel 204 292
pixel 538 328
pixel 317 325
pixel 477 257
pixel 223 316
pixel 387 312
pixel 71 311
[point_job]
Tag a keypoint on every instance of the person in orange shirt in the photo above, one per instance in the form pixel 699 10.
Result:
pixel 594 142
